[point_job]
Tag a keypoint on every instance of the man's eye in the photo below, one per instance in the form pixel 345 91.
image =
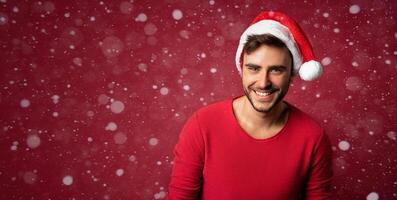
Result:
pixel 253 68
pixel 277 70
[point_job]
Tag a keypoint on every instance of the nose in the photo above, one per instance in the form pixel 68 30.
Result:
pixel 264 82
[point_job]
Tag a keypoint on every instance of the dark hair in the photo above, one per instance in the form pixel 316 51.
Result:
pixel 256 41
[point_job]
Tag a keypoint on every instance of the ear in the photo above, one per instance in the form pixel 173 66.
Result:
pixel 241 68
pixel 241 63
pixel 292 77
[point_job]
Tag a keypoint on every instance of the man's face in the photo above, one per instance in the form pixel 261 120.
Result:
pixel 266 75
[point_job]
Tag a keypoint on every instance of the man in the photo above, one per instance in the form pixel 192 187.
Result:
pixel 257 146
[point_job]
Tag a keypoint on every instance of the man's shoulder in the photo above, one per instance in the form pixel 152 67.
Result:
pixel 305 121
pixel 213 114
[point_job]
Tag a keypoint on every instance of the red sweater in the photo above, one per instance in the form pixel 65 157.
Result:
pixel 215 159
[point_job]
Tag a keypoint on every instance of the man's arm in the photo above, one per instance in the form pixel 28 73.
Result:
pixel 187 172
pixel 319 183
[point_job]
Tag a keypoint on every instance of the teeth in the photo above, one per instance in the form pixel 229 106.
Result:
pixel 262 93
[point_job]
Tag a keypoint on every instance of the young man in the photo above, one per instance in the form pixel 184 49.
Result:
pixel 257 146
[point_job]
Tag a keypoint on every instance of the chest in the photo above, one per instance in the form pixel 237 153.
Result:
pixel 238 170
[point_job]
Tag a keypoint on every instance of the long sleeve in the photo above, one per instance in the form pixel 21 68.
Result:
pixel 187 172
pixel 319 183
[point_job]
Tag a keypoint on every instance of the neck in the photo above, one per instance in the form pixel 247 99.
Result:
pixel 275 116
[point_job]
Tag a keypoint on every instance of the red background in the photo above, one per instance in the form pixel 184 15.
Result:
pixel 93 94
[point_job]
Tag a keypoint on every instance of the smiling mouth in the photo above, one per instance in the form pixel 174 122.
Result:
pixel 264 94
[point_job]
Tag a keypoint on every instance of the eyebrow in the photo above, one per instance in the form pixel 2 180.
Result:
pixel 271 66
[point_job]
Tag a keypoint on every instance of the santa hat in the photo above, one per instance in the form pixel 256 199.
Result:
pixel 287 30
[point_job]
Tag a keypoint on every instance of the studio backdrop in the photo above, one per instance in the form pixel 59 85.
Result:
pixel 94 93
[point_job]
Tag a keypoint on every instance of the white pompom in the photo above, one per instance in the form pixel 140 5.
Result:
pixel 310 70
